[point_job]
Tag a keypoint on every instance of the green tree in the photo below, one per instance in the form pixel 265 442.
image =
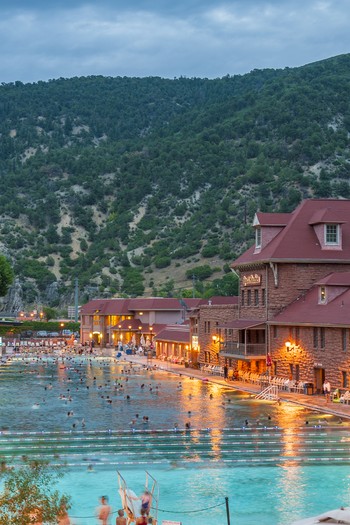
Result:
pixel 29 496
pixel 6 275
pixel 50 313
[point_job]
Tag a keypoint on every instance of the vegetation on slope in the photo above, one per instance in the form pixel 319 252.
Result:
pixel 133 185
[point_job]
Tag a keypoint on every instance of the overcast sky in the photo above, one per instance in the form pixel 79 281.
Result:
pixel 46 39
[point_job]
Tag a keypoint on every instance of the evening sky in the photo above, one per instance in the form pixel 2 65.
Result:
pixel 46 39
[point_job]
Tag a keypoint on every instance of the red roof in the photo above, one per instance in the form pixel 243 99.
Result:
pixel 160 303
pixel 106 307
pixel 131 324
pixel 221 300
pixel 336 279
pixel 298 242
pixel 307 310
pixel 175 333
pixel 272 219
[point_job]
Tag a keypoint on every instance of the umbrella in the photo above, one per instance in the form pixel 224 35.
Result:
pixel 341 515
pixel 142 340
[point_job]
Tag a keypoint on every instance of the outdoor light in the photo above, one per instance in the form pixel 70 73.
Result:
pixel 290 346
pixel 215 339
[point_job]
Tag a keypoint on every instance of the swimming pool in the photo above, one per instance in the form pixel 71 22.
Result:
pixel 271 464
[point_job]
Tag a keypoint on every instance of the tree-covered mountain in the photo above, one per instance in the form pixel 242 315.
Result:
pixel 149 185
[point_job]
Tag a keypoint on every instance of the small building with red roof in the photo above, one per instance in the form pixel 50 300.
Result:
pixel 109 321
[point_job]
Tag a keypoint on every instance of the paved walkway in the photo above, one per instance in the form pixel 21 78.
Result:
pixel 316 402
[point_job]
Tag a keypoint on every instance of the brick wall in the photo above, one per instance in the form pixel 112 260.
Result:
pixel 332 358
pixel 210 317
pixel 293 281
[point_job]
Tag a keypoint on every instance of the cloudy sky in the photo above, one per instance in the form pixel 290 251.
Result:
pixel 46 39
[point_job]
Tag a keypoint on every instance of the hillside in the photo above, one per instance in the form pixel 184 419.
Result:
pixel 149 185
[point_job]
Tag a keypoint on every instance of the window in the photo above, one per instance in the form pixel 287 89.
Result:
pixel 323 338
pixel 258 238
pixel 331 234
pixel 274 328
pixel 344 379
pixel 343 339
pixel 263 297
pixel 315 334
pixel 207 327
pixel 322 294
pixel 297 335
pixel 249 297
pixel 256 297
pixel 242 298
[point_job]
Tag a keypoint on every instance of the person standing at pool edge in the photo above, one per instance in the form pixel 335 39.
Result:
pixel 103 511
pixel 327 389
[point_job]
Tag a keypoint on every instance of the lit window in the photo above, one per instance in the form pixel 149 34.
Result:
pixel 258 238
pixel 322 294
pixel 331 233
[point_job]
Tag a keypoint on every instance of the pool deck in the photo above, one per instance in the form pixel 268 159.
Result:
pixel 315 402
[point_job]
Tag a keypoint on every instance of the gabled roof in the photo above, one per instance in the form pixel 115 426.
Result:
pixel 131 324
pixel 106 307
pixel 298 242
pixel 174 333
pixel 327 216
pixel 160 303
pixel 271 219
pixel 307 311
pixel 335 279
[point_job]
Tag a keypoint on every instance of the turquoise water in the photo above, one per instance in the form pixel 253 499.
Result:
pixel 283 463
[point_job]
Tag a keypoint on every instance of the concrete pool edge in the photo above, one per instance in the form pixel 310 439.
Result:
pixel 312 402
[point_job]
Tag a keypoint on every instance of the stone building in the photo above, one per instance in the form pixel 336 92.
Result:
pixel 107 321
pixel 293 310
pixel 209 328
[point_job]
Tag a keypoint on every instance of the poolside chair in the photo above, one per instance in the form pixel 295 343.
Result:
pixel 335 397
pixel 345 398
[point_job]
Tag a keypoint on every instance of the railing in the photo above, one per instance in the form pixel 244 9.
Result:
pixel 270 392
pixel 230 348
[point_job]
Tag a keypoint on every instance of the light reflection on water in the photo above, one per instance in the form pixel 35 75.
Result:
pixel 268 495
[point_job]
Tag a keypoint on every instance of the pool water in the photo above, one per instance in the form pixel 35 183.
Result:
pixel 275 463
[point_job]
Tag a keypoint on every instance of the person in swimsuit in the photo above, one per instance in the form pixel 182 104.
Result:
pixel 146 500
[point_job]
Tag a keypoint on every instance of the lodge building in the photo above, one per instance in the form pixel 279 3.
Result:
pixel 294 296
pixel 292 315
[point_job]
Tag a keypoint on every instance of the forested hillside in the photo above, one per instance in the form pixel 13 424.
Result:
pixel 149 185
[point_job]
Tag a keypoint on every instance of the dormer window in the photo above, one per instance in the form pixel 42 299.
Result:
pixel 331 234
pixel 323 295
pixel 258 237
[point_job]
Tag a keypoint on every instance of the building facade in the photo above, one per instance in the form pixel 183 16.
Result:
pixel 298 259
pixel 105 322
